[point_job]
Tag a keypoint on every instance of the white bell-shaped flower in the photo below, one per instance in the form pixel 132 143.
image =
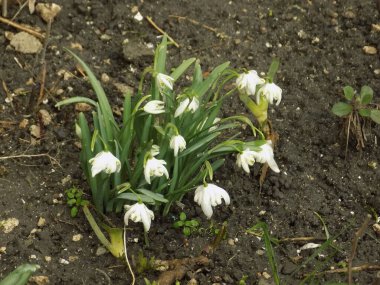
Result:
pixel 210 196
pixel 271 92
pixel 155 107
pixel 187 105
pixel 177 143
pixel 165 81
pixel 139 213
pixel 245 159
pixel 104 161
pixel 246 82
pixel 265 155
pixel 155 168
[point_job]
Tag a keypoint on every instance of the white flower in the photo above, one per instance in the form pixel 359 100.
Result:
pixel 210 196
pixel 270 91
pixel 246 159
pixel 186 105
pixel 265 155
pixel 165 81
pixel 177 143
pixel 247 82
pixel 139 213
pixel 156 168
pixel 104 161
pixel 155 107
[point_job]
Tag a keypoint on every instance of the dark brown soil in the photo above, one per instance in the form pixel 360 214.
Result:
pixel 320 45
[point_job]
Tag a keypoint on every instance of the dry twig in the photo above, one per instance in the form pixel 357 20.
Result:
pixel 219 34
pixel 21 27
pixel 52 159
pixel 161 31
pixel 360 232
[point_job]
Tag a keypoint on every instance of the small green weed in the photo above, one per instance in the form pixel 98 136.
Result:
pixel 188 226
pixel 75 200
pixel 357 110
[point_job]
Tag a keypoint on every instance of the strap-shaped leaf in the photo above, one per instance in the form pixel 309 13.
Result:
pixel 74 100
pixel 182 68
pixel 155 196
pixel 99 91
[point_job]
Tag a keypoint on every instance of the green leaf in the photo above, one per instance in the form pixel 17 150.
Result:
pixel 342 109
pixel 178 224
pixel 201 89
pixel 71 202
pixel 77 99
pixel 366 95
pixel 194 223
pixel 74 212
pixel 20 275
pixel 375 116
pixel 189 224
pixel 182 68
pixel 182 216
pixel 155 196
pixel 364 112
pixel 134 197
pixel 273 68
pixel 70 195
pixel 349 92
pixel 186 231
pixel 101 95
pixel 160 55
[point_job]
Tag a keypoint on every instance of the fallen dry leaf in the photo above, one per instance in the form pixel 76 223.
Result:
pixel 83 107
pixel 45 117
pixel 48 11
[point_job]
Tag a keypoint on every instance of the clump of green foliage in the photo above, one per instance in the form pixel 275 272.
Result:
pixel 75 200
pixel 358 111
pixel 188 226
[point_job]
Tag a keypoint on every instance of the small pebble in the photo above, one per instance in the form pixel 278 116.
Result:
pixel 77 237
pixel 63 261
pixel 369 50
pixel 100 251
pixel 266 275
pixel 41 222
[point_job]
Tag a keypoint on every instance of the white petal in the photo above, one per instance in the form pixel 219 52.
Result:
pixel 147 173
pixel 273 165
pixel 207 209
pixel 145 218
pixel 181 108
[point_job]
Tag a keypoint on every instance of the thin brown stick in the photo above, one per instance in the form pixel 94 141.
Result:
pixel 20 9
pixel 21 27
pixel 4 5
pixel 301 239
pixel 42 76
pixel 364 267
pixel 360 232
pixel 52 159
pixel 149 19
pixel 195 22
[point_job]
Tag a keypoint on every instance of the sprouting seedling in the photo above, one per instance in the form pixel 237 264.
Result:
pixel 357 110
pixel 188 226
pixel 75 200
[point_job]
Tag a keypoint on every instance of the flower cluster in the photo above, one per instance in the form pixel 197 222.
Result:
pixel 247 84
pixel 170 142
